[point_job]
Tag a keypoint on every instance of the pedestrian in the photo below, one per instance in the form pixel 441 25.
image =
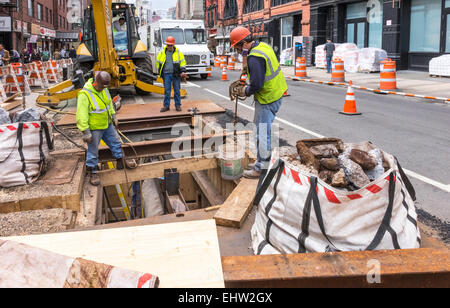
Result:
pixel 171 66
pixel 329 50
pixel 267 85
pixel 63 53
pixel 72 53
pixel 4 56
pixel 35 56
pixel 57 55
pixel 96 119
pixel 45 55
pixel 25 56
pixel 15 57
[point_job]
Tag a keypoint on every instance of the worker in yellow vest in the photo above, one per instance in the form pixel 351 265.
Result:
pixel 171 66
pixel 96 119
pixel 267 85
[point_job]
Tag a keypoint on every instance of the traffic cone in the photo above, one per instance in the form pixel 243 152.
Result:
pixel 350 102
pixel 286 94
pixel 244 78
pixel 224 74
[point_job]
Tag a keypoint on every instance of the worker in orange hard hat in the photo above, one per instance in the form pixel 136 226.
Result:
pixel 267 85
pixel 171 66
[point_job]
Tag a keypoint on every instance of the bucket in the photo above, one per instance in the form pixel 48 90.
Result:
pixel 230 158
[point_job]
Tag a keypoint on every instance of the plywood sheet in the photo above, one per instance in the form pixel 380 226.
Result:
pixel 238 204
pixel 181 254
pixel 152 110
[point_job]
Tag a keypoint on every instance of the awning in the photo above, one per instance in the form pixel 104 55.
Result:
pixel 67 35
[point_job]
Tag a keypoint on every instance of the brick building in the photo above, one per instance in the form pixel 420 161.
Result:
pixel 275 22
pixel 34 24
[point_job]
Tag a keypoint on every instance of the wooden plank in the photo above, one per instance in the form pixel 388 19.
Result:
pixel 212 194
pixel 181 254
pixel 424 267
pixel 11 105
pixel 155 170
pixel 237 206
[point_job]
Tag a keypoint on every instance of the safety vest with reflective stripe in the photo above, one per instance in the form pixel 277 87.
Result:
pixel 177 58
pixel 100 108
pixel 274 81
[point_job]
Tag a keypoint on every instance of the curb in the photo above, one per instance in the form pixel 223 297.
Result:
pixel 331 83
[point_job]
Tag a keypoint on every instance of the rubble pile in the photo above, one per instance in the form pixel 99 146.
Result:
pixel 338 164
pixel 27 115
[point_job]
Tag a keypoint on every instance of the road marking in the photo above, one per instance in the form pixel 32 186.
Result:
pixel 191 84
pixel 408 172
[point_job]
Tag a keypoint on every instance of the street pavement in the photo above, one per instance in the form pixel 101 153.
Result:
pixel 414 130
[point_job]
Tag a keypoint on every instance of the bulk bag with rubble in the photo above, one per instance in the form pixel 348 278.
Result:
pixel 298 212
pixel 24 150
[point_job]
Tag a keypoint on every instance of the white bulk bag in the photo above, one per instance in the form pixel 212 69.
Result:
pixel 24 148
pixel 297 212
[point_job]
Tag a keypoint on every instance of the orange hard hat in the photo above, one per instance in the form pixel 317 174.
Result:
pixel 170 40
pixel 238 34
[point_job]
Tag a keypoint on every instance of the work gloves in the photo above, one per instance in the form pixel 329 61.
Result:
pixel 87 136
pixel 115 121
pixel 237 90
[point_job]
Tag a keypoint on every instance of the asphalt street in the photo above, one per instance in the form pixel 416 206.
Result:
pixel 416 131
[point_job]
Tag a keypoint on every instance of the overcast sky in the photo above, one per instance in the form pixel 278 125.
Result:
pixel 163 4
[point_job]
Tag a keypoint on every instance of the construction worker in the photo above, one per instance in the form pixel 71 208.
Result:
pixel 96 119
pixel 267 85
pixel 171 66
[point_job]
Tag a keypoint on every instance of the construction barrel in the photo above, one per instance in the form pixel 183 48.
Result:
pixel 388 77
pixel 231 63
pixel 338 71
pixel 300 67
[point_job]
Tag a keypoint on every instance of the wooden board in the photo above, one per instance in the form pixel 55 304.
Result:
pixel 181 254
pixel 61 171
pixel 11 105
pixel 212 194
pixel 236 207
pixel 155 170
pixel 152 110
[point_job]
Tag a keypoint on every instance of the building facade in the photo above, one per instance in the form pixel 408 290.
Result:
pixel 411 31
pixel 190 9
pixel 275 22
pixel 35 24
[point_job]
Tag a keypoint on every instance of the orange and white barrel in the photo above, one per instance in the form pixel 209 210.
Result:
pixel 223 61
pixel 216 61
pixel 338 71
pixel 300 69
pixel 231 63
pixel 388 75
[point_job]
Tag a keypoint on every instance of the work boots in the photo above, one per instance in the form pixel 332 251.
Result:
pixel 129 163
pixel 93 176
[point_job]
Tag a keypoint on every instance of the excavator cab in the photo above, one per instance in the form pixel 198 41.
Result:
pixel 125 37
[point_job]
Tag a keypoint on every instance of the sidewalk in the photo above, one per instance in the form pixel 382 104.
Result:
pixel 414 82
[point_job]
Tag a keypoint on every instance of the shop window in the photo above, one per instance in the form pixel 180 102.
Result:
pixel 280 2
pixel 375 21
pixel 30 4
pixel 425 25
pixel 351 33
pixel 39 11
pixel 357 10
pixel 253 6
pixel 286 32
pixel 230 10
pixel 447 3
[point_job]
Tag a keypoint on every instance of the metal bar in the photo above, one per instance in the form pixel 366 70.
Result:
pixel 423 267
pixel 140 125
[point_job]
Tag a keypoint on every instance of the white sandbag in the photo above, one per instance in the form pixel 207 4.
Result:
pixel 24 151
pixel 298 212
pixel 351 60
pixel 440 66
pixel 341 49
pixel 369 59
pixel 320 61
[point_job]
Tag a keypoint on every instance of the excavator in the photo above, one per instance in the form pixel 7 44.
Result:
pixel 110 42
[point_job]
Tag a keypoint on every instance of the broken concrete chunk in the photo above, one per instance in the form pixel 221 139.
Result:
pixel 339 179
pixel 378 171
pixel 4 117
pixel 330 163
pixel 324 151
pixel 364 159
pixel 28 115
pixel 306 156
pixel 326 176
pixel 354 172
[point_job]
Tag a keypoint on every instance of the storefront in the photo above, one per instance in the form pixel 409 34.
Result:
pixel 5 32
pixel 411 31
pixel 47 39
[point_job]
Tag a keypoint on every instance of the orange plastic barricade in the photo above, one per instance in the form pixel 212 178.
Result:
pixel 338 71
pixel 388 76
pixel 36 76
pixel 231 63
pixel 15 80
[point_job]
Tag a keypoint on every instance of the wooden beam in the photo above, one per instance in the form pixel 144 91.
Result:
pixel 237 206
pixel 423 267
pixel 214 197
pixel 155 170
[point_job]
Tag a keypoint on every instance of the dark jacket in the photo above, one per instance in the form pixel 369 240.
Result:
pixel 35 57
pixel 329 49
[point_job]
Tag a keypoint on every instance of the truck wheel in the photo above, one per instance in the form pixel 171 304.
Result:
pixel 204 76
pixel 144 64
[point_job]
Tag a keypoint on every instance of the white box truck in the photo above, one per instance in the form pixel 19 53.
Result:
pixel 190 38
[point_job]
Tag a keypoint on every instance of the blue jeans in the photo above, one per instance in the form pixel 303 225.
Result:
pixel 169 80
pixel 112 140
pixel 328 64
pixel 264 117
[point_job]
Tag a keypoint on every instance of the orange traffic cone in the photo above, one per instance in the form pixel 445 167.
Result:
pixel 286 94
pixel 350 102
pixel 244 78
pixel 224 74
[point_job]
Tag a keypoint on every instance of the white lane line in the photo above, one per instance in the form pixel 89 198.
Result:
pixel 190 84
pixel 408 172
